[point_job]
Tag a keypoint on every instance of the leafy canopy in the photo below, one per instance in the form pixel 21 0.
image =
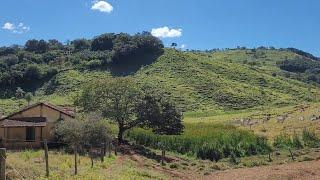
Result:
pixel 123 102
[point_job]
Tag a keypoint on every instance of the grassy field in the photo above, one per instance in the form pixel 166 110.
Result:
pixel 223 136
pixel 295 122
pixel 31 165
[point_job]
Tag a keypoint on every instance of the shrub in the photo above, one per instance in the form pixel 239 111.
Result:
pixel 310 138
pixel 282 141
pixel 297 141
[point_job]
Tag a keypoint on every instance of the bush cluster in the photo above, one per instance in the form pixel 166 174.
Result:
pixel 307 70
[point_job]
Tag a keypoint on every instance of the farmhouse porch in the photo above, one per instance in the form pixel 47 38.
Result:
pixel 22 132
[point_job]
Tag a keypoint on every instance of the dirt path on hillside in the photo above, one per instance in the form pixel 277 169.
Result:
pixel 294 171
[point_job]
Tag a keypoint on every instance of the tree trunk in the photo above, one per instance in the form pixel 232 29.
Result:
pixel 120 135
pixel 102 154
pixel 109 148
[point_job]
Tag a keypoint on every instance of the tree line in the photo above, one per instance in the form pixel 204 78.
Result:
pixel 304 69
pixel 39 60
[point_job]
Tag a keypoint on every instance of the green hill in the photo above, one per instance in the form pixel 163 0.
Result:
pixel 212 81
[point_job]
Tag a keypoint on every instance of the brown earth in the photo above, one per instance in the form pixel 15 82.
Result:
pixel 129 152
pixel 309 170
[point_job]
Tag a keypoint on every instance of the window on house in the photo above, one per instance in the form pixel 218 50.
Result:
pixel 30 134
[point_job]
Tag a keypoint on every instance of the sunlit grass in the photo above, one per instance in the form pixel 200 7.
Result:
pixel 30 164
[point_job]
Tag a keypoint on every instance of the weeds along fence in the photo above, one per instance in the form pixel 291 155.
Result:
pixel 205 141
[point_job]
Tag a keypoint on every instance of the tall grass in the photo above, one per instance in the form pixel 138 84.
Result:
pixel 297 141
pixel 205 141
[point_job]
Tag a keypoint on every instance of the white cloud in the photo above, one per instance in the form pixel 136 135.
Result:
pixel 183 46
pixel 19 29
pixel 26 28
pixel 165 32
pixel 8 26
pixel 102 6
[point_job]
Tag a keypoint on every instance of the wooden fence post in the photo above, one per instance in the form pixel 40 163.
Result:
pixel 270 159
pixel 46 157
pixel 291 154
pixel 163 155
pixel 75 160
pixel 3 163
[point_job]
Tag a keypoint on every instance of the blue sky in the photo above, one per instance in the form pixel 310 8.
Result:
pixel 194 24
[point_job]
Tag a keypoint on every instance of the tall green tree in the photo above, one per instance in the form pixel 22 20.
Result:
pixel 160 115
pixel 103 42
pixel 123 102
pixel 34 45
pixel 81 44
pixel 117 99
pixel 54 44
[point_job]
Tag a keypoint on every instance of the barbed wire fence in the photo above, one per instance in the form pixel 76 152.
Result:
pixel 96 152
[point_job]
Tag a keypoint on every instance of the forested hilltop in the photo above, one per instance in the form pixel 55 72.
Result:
pixel 39 60
pixel 213 80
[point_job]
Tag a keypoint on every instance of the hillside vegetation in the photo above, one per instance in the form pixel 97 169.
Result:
pixel 225 95
pixel 206 81
pixel 229 80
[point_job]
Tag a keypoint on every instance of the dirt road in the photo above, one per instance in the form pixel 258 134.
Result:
pixel 308 170
pixel 294 171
